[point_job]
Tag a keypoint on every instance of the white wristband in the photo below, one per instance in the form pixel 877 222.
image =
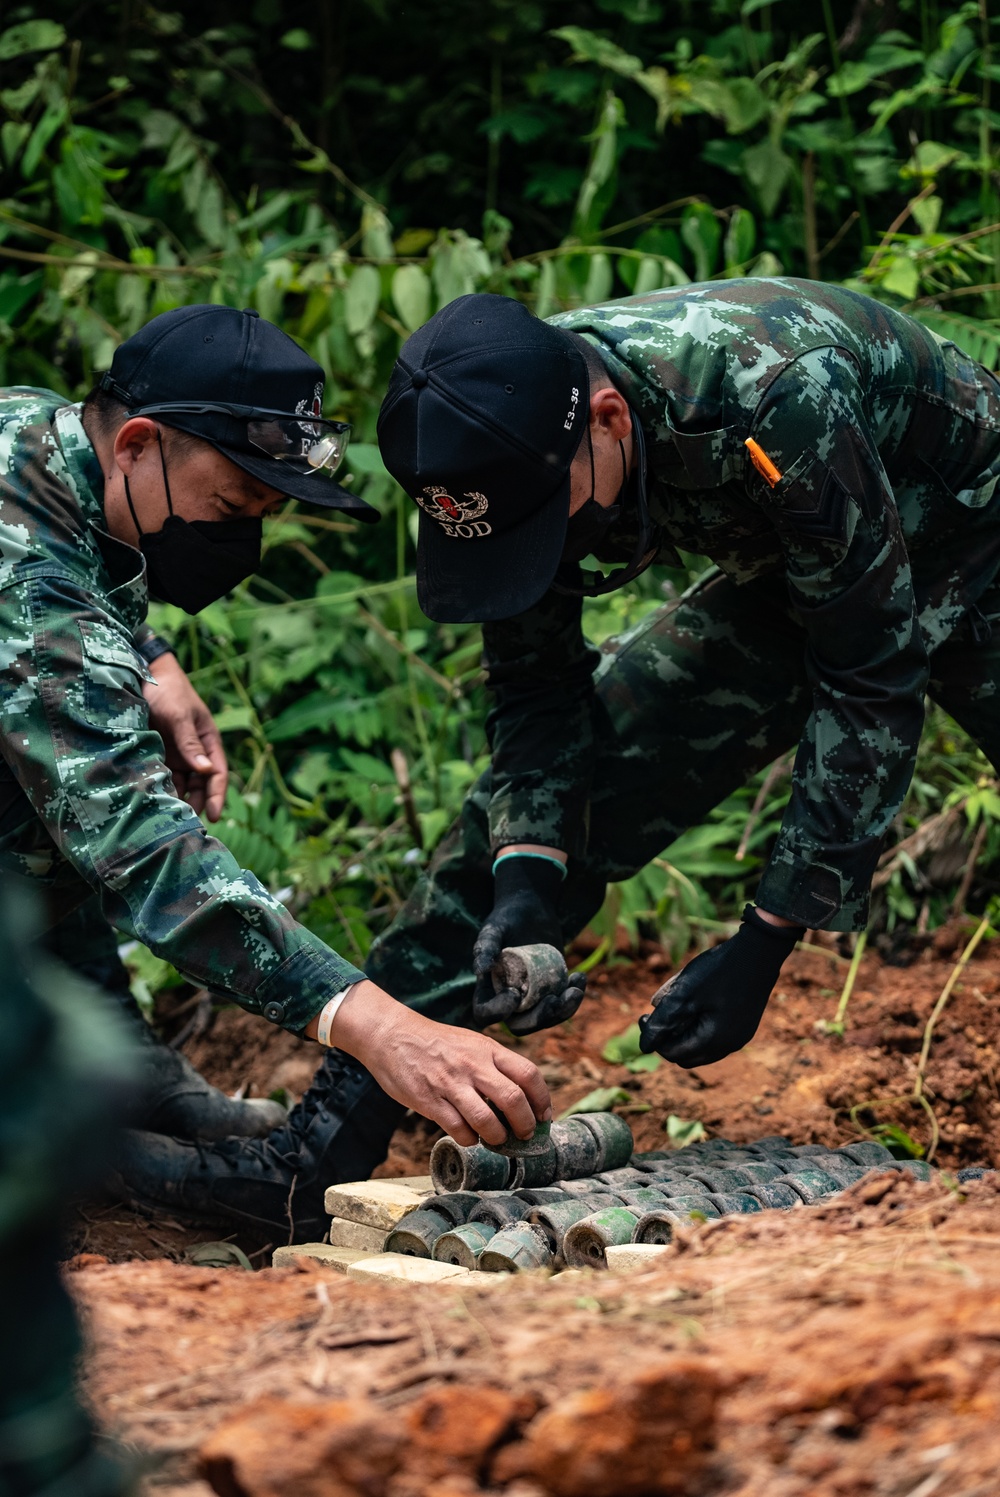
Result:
pixel 328 1013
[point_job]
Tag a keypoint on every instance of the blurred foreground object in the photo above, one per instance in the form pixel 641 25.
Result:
pixel 66 1075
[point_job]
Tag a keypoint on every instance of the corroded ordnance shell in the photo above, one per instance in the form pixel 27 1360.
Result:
pixel 516 1248
pixel 777 1196
pixel 416 1233
pixel 735 1203
pixel 456 1205
pixel 679 1185
pixel 534 972
pixel 614 1137
pixel 456 1168
pixel 541 1195
pixel 865 1151
pixel 624 1178
pixel 772 1144
pixel 735 1177
pixel 842 1169
pixel 532 1171
pixel 808 1151
pixel 577 1149
pixel 810 1183
pixel 658 1226
pixel 555 1221
pixel 587 1186
pixel 585 1243
pixel 652 1157
pixel 463 1245
pixel 918 1167
pixel 500 1211
pixel 643 1199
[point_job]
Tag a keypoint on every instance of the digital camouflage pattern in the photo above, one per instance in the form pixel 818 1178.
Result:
pixel 88 802
pixel 881 533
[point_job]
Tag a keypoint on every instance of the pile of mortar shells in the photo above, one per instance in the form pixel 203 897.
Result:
pixel 561 1198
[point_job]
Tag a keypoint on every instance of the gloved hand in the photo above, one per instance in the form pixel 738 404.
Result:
pixel 526 893
pixel 714 1006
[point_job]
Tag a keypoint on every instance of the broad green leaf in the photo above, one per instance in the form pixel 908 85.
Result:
pixel 587 46
pixel 623 1047
pixel 601 1100
pixel 902 278
pixel 702 235
pixel 767 168
pixel 545 293
pixel 43 132
pixel 31 36
pixel 684 1131
pixel 927 213
pixel 741 235
pixel 411 296
pixel 234 718
pixel 376 233
pixel 16 291
pixel 600 278
pixel 297 40
pixel 361 299
pixel 649 276
pixel 12 138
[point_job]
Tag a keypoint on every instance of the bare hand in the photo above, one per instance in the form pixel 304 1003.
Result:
pixel 444 1073
pixel 192 743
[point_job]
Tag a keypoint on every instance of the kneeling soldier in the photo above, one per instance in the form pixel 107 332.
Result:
pixel 839 465
pixel 208 418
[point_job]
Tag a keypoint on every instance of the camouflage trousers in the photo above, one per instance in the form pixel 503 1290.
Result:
pixel 699 697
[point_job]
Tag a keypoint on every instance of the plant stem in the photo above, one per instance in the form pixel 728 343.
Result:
pixel 845 113
pixel 939 1007
pixel 852 972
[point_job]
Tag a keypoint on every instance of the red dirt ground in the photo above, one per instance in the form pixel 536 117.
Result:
pixel 853 1349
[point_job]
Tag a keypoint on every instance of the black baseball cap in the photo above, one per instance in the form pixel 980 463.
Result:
pixel 486 408
pixel 245 387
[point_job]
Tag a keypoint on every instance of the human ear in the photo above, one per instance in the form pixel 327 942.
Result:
pixel 134 440
pixel 609 415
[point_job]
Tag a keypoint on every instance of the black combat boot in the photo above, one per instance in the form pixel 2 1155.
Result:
pixel 174 1099
pixel 339 1131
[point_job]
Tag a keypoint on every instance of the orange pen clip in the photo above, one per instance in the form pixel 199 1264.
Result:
pixel 762 462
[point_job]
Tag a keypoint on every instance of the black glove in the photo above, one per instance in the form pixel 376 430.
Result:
pixel 714 1006
pixel 526 893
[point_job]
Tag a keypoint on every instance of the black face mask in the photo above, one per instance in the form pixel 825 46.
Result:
pixel 192 563
pixel 592 523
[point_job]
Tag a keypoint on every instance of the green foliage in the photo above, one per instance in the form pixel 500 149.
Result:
pixel 623 1050
pixel 684 1131
pixel 291 161
pixel 601 1100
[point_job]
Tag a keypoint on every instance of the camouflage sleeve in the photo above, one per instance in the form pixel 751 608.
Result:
pixel 76 735
pixel 849 581
pixel 541 671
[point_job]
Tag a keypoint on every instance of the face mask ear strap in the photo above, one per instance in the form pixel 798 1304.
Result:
pixel 163 466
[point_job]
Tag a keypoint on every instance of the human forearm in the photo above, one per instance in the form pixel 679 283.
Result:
pixel 447 1074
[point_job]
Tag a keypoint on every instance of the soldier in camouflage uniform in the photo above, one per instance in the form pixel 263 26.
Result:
pixel 207 419
pixel 837 462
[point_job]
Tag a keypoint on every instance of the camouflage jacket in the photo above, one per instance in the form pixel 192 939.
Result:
pixel 96 807
pixel 872 493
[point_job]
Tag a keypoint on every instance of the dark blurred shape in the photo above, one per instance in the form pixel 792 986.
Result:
pixel 66 1078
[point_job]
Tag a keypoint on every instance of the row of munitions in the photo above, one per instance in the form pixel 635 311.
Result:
pixel 574 1221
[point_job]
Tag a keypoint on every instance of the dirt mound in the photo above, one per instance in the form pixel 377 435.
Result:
pixel 846 1350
